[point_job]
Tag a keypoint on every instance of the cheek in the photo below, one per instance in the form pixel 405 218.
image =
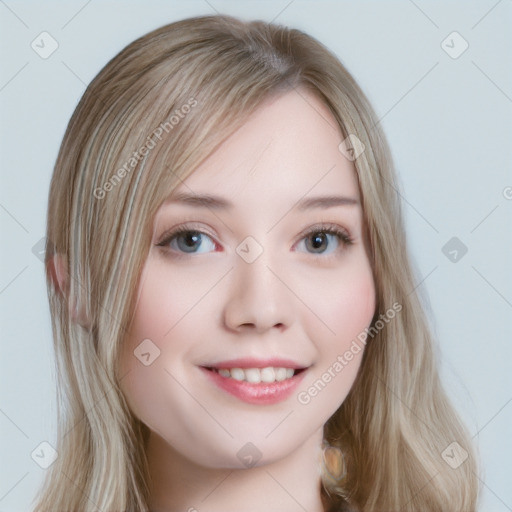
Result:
pixel 353 307
pixel 161 325
pixel 145 359
pixel 143 350
pixel 165 298
pixel 347 306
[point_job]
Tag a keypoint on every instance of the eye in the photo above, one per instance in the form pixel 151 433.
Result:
pixel 324 240
pixel 188 241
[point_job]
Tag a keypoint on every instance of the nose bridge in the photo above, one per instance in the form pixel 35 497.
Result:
pixel 255 278
pixel 257 297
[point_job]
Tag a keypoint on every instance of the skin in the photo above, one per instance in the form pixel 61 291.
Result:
pixel 212 305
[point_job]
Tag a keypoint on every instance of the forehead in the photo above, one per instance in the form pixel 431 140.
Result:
pixel 287 149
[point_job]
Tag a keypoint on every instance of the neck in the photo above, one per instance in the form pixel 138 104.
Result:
pixel 291 483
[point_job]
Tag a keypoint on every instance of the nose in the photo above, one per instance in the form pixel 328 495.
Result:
pixel 258 298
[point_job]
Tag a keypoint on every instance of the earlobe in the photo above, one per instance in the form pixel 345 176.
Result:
pixel 57 268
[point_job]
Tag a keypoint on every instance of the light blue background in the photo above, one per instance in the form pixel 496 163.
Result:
pixel 449 124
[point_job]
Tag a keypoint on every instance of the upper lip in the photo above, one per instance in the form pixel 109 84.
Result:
pixel 247 362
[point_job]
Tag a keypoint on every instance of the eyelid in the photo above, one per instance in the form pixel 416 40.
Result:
pixel 166 238
pixel 345 237
pixel 184 226
pixel 326 227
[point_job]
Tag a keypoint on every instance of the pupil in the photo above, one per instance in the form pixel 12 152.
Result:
pixel 318 240
pixel 190 240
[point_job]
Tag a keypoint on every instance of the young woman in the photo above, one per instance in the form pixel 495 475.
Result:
pixel 235 317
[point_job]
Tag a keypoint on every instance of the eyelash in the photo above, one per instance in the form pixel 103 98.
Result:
pixel 330 229
pixel 343 235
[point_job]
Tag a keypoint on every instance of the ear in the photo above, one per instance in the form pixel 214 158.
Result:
pixel 57 268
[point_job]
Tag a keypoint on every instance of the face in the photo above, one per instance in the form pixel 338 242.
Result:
pixel 256 285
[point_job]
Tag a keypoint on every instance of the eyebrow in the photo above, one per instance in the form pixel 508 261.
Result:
pixel 219 203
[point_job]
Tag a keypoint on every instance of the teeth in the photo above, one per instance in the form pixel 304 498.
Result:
pixel 267 375
pixel 237 374
pixel 281 373
pixel 252 375
pixel 257 375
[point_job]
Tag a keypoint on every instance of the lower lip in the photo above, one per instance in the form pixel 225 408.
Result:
pixel 262 393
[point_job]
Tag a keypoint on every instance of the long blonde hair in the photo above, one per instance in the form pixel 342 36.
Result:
pixel 178 92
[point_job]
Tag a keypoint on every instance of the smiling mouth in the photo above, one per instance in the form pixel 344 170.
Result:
pixel 265 375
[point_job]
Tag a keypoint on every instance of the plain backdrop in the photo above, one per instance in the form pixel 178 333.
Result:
pixel 446 110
